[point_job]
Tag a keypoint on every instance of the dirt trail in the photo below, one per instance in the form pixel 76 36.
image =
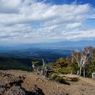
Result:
pixel 84 86
pixel 86 80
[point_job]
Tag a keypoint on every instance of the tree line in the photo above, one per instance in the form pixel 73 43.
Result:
pixel 81 62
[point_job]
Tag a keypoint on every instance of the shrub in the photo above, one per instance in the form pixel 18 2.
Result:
pixel 56 77
pixel 64 70
pixel 59 79
pixel 52 75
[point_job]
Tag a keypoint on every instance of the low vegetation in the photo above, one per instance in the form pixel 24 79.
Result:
pixel 7 63
pixel 80 63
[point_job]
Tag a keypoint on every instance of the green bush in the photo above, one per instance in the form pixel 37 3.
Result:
pixel 56 77
pixel 64 70
pixel 52 75
pixel 59 79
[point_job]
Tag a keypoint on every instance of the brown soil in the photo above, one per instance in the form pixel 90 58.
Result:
pixel 85 86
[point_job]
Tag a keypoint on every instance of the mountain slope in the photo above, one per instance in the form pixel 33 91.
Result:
pixel 17 63
pixel 53 88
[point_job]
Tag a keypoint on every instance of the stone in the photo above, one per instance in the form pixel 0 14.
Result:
pixel 93 75
pixel 2 90
pixel 16 90
pixel 36 91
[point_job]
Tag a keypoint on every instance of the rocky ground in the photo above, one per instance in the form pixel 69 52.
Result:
pixel 15 82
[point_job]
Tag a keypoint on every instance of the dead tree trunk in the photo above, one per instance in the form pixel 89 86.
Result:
pixel 84 72
pixel 82 57
pixel 33 66
pixel 43 68
pixel 80 71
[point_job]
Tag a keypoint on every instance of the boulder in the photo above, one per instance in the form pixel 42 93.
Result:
pixel 2 90
pixel 36 91
pixel 16 90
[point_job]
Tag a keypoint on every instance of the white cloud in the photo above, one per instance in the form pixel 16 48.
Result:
pixel 17 18
pixel 73 25
pixel 9 6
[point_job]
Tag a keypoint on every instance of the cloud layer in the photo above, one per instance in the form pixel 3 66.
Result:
pixel 32 21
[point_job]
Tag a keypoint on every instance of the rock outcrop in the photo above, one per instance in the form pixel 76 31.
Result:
pixel 11 85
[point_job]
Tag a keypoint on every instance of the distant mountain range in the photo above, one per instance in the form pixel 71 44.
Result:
pixel 51 54
pixel 67 45
pixel 19 56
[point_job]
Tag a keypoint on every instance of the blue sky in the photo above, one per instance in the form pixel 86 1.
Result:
pixel 35 21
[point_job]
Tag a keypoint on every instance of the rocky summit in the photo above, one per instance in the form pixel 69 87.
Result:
pixel 16 82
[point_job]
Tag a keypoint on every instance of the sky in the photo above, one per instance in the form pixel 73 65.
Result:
pixel 37 21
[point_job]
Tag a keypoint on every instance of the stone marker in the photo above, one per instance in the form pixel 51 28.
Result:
pixel 93 75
